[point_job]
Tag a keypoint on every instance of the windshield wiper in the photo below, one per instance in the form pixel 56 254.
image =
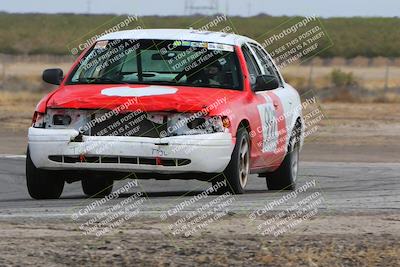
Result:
pixel 99 80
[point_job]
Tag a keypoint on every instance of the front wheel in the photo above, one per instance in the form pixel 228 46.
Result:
pixel 42 184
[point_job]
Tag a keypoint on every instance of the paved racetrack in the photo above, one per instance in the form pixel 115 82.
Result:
pixel 353 187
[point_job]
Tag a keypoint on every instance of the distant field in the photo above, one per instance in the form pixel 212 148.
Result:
pixel 55 34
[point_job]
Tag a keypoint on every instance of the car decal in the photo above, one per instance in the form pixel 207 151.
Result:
pixel 269 125
pixel 151 90
pixel 273 126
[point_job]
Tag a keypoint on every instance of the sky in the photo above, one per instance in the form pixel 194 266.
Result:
pixel 323 8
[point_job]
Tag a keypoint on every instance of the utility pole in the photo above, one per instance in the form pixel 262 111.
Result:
pixel 88 6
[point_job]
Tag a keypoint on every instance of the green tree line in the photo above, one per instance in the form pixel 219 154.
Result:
pixel 56 34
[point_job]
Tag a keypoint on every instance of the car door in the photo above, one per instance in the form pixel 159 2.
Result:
pixel 289 96
pixel 254 114
pixel 272 111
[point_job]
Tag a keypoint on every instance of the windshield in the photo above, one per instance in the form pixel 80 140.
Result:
pixel 160 62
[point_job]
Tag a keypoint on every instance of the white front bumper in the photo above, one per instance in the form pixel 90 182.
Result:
pixel 209 153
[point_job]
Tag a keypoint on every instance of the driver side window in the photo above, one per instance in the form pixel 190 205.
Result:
pixel 266 63
pixel 252 66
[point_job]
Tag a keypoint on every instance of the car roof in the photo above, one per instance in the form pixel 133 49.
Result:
pixel 179 34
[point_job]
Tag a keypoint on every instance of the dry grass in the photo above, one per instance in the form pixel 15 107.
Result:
pixel 230 247
pixel 10 98
pixel 16 109
pixel 371 78
pixel 35 69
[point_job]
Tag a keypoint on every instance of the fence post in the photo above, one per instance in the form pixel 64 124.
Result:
pixel 386 89
pixel 3 71
pixel 310 76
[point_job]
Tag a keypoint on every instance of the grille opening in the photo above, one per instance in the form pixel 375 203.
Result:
pixel 147 161
pixel 109 159
pixel 91 159
pixel 120 160
pixel 69 159
pixel 168 162
pixel 125 160
pixel 56 158
pixel 183 162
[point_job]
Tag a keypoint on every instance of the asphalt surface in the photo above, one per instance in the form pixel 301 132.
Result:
pixel 345 187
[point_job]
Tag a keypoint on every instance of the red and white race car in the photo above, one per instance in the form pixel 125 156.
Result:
pixel 165 104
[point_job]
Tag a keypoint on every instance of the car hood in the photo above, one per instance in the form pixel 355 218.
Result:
pixel 142 97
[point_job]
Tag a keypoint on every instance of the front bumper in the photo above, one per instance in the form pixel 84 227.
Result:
pixel 54 149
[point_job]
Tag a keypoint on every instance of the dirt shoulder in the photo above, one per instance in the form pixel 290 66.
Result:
pixel 326 240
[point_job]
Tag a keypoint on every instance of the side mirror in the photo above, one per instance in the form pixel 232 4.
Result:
pixel 266 82
pixel 53 76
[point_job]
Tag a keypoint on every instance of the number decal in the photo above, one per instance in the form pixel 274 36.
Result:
pixel 269 125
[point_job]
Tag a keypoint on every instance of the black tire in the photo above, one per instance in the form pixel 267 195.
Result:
pixel 42 184
pixel 238 170
pixel 97 186
pixel 284 178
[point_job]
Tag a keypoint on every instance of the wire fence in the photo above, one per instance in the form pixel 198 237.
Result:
pixel 368 77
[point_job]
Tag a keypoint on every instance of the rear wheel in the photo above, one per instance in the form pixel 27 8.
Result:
pixel 97 186
pixel 42 184
pixel 238 170
pixel 284 178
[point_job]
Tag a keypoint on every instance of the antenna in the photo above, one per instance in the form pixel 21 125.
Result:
pixel 89 4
